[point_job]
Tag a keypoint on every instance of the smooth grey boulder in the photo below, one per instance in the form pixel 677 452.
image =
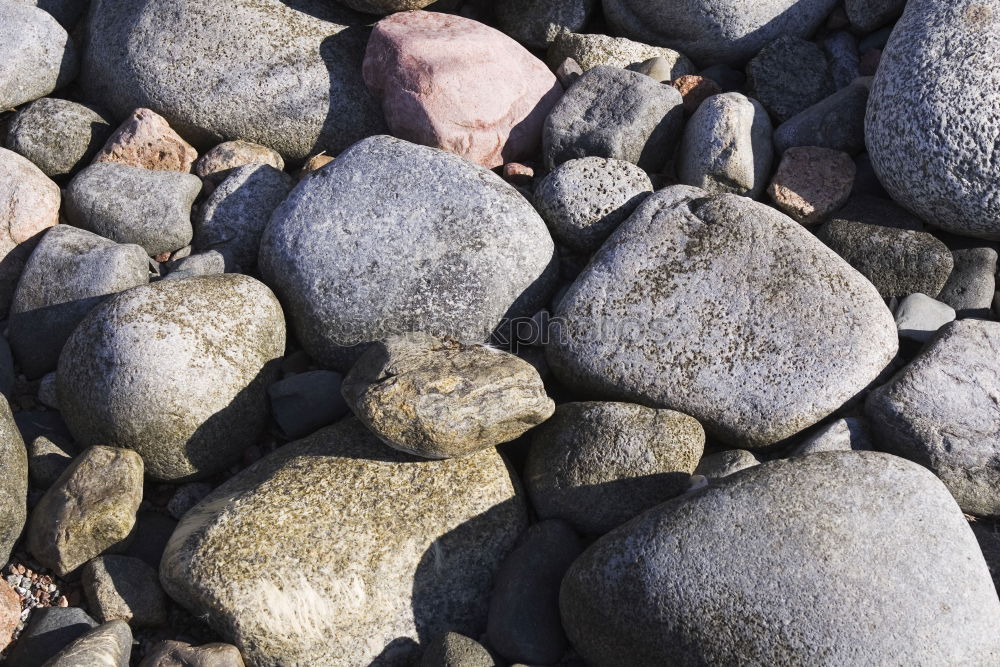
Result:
pixel 380 550
pixel 393 237
pixel 972 282
pixel 233 219
pixel 726 147
pixel 661 589
pixel 584 200
pixel 939 71
pixel 590 50
pixel 282 73
pixel 125 588
pixel 868 15
pixel 918 317
pixel 662 315
pixel 614 113
pixel 48 631
pixel 187 388
pixel 69 273
pixel 13 481
pixel 37 56
pixel 58 136
pixel 788 76
pixel 842 435
pixel 535 23
pixel 452 649
pixel 108 645
pixel 67 12
pixel 134 205
pixel 726 462
pixel 305 402
pixel 837 122
pixel 942 411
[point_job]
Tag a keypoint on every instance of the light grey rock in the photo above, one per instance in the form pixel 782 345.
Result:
pixel 941 411
pixel 867 15
pixel 134 205
pixel 455 650
pixel 918 317
pixel 181 654
pixel 13 481
pixel 378 549
pixel 67 12
pixel 70 272
pixel 37 56
pixel 584 200
pixel 788 76
pixel 192 362
pixel 47 460
pixel 108 645
pixel 393 237
pixel 726 462
pixel 845 61
pixel 692 581
pixel 939 71
pixel 535 23
pixel 714 31
pixel 208 263
pixel 727 146
pixel 219 161
pixel 662 316
pixel 305 402
pixel 282 73
pixel 842 435
pixel 58 136
pixel 597 465
pixel 837 122
pixel 614 113
pixel 590 50
pixel 49 630
pixel 972 282
pixel 125 588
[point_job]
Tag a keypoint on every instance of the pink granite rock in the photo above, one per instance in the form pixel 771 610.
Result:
pixel 812 182
pixel 452 83
pixel 146 140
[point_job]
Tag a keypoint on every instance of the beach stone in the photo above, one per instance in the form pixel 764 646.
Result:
pixel 614 113
pixel 126 588
pixel 10 614
pixel 172 653
pixel 218 162
pixel 868 15
pixel 385 6
pixel 187 496
pixel 584 200
pixel 476 250
pixel 305 402
pixel 13 481
pixel 918 317
pixel 535 23
pixel 208 263
pixel 37 56
pixel 634 324
pixel 69 273
pixel 314 163
pixel 870 210
pixel 837 122
pixel 46 461
pixel 456 650
pixel 655 591
pixel 48 631
pixel 941 411
pixel 568 72
pixel 726 462
pixel 438 398
pixel 659 69
pixel 108 645
pixel 934 113
pixel 145 139
pixel 694 90
pixel 58 136
pixel 972 282
pixel 379 549
pixel 453 83
pixel 726 146
pixel 842 435
pixel 841 51
pixel 597 465
pixel 591 50
pixel 67 12
pixel 134 205
pixel 89 509
pixel 788 76
pixel 812 182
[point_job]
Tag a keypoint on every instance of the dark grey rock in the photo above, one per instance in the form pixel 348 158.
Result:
pixel 13 481
pixel 845 62
pixel 150 536
pixel 108 645
pixel 58 136
pixel 125 588
pixel 972 283
pixel 6 368
pixel 181 654
pixel 875 41
pixel 535 23
pixel 49 630
pixel 590 50
pixel 37 56
pixel 872 210
pixel 47 460
pixel 918 317
pixel 837 122
pixel 866 183
pixel 305 402
pixel 788 76
pixel 455 650
pixel 842 435
pixel 726 462
pixel 185 497
pixel 867 15
pixel 729 79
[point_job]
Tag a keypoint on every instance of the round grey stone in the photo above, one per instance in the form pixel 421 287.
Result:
pixel 972 282
pixel 535 23
pixel 842 435
pixel 788 76
pixel 58 136
pixel 37 56
pixel 918 317
pixel 590 50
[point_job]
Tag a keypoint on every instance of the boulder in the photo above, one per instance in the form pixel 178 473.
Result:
pixel 836 122
pixel 812 182
pixel 788 76
pixel 972 282
pixel 49 629
pixel 842 435
pixel 58 136
pixel 456 650
pixel 145 139
pixel 37 56
pixel 126 588
pixel 918 317
pixel 218 162
pixel 535 23
pixel 726 462
pixel 590 50
pixel 172 653
pixel 13 481
pixel 108 645
pixel 305 402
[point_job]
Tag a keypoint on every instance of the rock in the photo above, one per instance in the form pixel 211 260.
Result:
pixel 658 590
pixel 918 317
pixel 941 411
pixel 584 200
pixel 13 481
pixel 866 183
pixel 47 460
pixel 305 402
pixel 385 6
pixel 49 630
pixel 837 122
pixel 29 203
pixel 726 146
pixel 877 211
pixel 455 650
pixel 187 496
pixel 70 272
pixel 938 71
pixel 725 463
pixel 695 90
pixel 134 205
pixel 536 23
pixel 233 218
pixel 181 654
pixel 812 182
pixel 193 359
pixel 475 250
pixel 36 54
pixel 666 294
pixel 403 550
pixel 842 435
pixel 244 70
pixel 841 51
pixel 788 76
pixel 67 12
pixel 208 263
pixel 972 282
pixel 452 83
pixel 614 113
pixel 524 623
pixel 150 536
pixel 590 50
pixel 219 162
pixel 10 614
pixel 438 398
pixel 897 261
pixel 146 140
pixel 108 645
pixel 57 135
pixel 121 587
pixel 659 69
pixel 47 391
pixel 867 15
pixel 597 465
pixel 314 163
pixel 568 72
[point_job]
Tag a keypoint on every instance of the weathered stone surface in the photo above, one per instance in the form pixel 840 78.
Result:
pixel 10 614
pixel 788 76
pixel 108 645
pixel 13 481
pixel 455 650
pixel 125 588
pixel 694 89
pixel 660 589
pixel 972 282
pixel 146 140
pixel 381 550
pixel 867 15
pixel 36 54
pixel 837 122
pixel 841 51
pixel 812 182
pixel 591 50
pixel 725 463
pixel 181 654
pixel 918 317
pixel 475 250
pixel 67 12
pixel 208 263
pixel 662 316
pixel 49 629
pixel 58 136
pixel 842 435
pixel 219 161
pixel 385 6
pixel 46 461
pixel 535 23
pixel 305 402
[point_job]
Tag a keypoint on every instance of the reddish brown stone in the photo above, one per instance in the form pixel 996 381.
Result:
pixel 517 173
pixel 147 140
pixel 10 613
pixel 695 90
pixel 812 182
pixel 314 163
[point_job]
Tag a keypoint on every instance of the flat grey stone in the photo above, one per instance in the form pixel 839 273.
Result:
pixel 58 136
pixel 590 50
pixel 37 56
pixel 837 122
pixel 788 76
pixel 13 481
pixel 918 317
pixel 535 23
pixel 842 435
pixel 125 588
pixel 49 630
pixel 305 402
pixel 726 462
pixel 108 645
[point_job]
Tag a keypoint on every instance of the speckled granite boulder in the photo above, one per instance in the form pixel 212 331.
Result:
pixel 535 23
pixel 58 136
pixel 452 649
pixel 13 481
pixel 379 550
pixel 37 56
pixel 108 645
pixel 591 50
pixel 726 462
pixel 788 76
pixel 836 122
pixel 842 435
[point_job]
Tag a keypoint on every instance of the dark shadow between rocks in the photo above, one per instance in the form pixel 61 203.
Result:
pixel 37 336
pixel 11 267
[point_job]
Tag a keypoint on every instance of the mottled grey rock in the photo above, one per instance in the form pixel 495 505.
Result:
pixel 234 217
pixel 58 136
pixel 788 76
pixel 181 654
pixel 692 582
pixel 662 316
pixel 282 73
pixel 378 549
pixel 49 630
pixel 67 12
pixel 597 465
pixel 393 237
pixel 37 56
pixel 867 15
pixel 13 481
pixel 939 71
pixel 455 650
pixel 584 200
pixel 726 462
pixel 845 61
pixel 125 588
pixel 134 205
pixel 727 146
pixel 535 23
pixel 837 122
pixel 69 273
pixel 219 161
pixel 842 435
pixel 972 282
pixel 591 50
pixel 614 113
pixel 305 402
pixel 192 362
pixel 47 460
pixel 208 263
pixel 108 645
pixel 941 411
pixel 918 317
